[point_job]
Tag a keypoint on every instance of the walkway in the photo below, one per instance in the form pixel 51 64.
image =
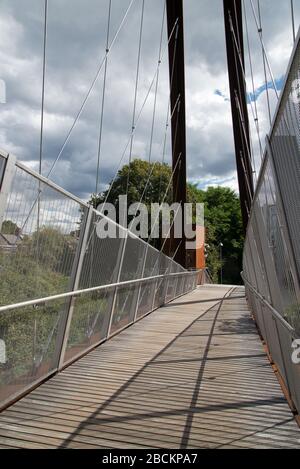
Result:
pixel 193 374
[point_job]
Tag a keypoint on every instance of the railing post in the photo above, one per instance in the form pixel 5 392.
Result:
pixel 75 277
pixel 113 306
pixel 154 295
pixel 166 280
pixel 5 184
pixel 140 286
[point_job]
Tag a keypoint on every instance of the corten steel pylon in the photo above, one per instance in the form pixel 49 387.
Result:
pixel 235 60
pixel 177 96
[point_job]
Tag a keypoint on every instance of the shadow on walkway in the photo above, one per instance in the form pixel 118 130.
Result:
pixel 191 380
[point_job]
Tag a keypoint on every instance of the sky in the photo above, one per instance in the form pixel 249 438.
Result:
pixel 76 34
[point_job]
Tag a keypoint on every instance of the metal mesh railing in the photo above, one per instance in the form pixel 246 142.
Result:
pixel 271 261
pixel 63 290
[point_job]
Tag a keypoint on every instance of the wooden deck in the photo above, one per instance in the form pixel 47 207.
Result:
pixel 193 374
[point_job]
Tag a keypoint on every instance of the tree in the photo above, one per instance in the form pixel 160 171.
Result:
pixel 224 225
pixel 9 227
pixel 221 210
pixel 153 189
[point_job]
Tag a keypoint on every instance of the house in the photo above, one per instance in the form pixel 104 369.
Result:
pixel 9 242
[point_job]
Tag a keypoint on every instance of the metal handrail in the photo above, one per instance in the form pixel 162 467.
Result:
pixel 267 304
pixel 90 289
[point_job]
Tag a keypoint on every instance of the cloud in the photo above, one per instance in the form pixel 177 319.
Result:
pixel 219 93
pixel 75 47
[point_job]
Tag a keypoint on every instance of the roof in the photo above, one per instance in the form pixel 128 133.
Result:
pixel 9 239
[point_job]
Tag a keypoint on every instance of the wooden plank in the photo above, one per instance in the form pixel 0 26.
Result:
pixel 193 374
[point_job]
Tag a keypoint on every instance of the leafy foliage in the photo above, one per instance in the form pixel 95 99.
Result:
pixel 9 227
pixel 224 225
pixel 152 189
pixel 39 266
pixel 221 208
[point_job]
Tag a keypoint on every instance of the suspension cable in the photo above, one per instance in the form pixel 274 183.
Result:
pixel 237 52
pixel 154 164
pixel 43 85
pixel 177 103
pixel 136 92
pixel 156 84
pixel 103 98
pixel 166 193
pixel 176 107
pixel 247 135
pixel 100 130
pixel 90 89
pixel 256 120
pixel 264 49
pixel 243 70
pixel 79 112
pixel 139 115
pixel 169 105
pixel 250 102
pixel 41 134
pixel 260 31
pixel 175 28
pixel 136 122
pixel 293 20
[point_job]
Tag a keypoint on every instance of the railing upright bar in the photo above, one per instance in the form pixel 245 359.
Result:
pixel 140 286
pixel 113 306
pixel 77 268
pixel 5 184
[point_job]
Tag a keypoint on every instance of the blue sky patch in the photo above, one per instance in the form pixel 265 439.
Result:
pixel 251 97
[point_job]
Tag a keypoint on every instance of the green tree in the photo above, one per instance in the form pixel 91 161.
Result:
pixel 221 210
pixel 224 225
pixel 152 189
pixel 9 227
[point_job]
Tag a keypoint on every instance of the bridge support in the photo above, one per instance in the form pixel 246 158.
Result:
pixel 235 59
pixel 177 97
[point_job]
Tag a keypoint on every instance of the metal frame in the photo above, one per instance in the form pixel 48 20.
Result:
pixel 233 9
pixel 5 185
pixel 178 121
pixel 58 357
pixel 40 301
pixel 77 268
pixel 113 307
pixel 269 313
pixel 140 286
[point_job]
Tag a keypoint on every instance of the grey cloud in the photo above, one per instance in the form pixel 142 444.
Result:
pixel 76 41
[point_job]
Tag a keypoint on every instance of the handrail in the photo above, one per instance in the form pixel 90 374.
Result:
pixel 267 304
pixel 90 289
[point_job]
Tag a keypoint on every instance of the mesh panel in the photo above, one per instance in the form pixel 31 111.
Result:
pixel 38 240
pixel 292 369
pixel 146 298
pixel 146 294
pixel 164 265
pixel 91 313
pixel 125 306
pixel 268 204
pixel 271 258
pixel 285 143
pixel 102 256
pixel 49 245
pixel 171 283
pixel 133 259
pixel 29 338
